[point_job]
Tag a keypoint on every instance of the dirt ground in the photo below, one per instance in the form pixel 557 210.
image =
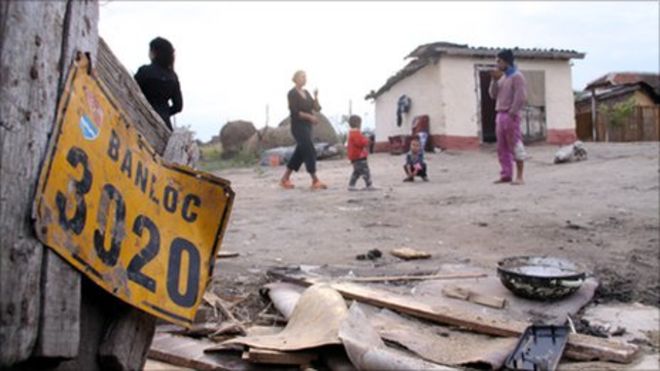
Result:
pixel 602 213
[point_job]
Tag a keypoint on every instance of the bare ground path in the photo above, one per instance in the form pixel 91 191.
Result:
pixel 602 212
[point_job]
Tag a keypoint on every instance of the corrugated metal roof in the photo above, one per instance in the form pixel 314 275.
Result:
pixel 428 53
pixel 481 51
pixel 616 91
pixel 625 78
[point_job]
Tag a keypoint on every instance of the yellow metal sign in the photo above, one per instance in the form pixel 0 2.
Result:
pixel 144 230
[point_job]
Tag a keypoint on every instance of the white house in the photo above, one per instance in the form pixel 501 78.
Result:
pixel 449 83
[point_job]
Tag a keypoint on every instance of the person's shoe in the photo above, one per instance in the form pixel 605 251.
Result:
pixel 352 188
pixel 425 178
pixel 502 180
pixel 370 187
pixel 409 179
pixel 318 185
pixel 287 184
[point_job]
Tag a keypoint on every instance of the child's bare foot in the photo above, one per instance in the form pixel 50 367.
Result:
pixel 518 182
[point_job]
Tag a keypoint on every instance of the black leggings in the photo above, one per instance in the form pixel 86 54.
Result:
pixel 305 151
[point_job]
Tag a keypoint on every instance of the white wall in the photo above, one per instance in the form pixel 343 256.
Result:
pixel 447 92
pixel 559 105
pixel 459 95
pixel 423 89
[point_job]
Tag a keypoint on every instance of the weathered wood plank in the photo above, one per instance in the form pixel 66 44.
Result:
pixel 126 91
pixel 187 352
pixel 96 307
pixel 580 347
pixel 30 48
pixel 462 293
pixel 449 276
pixel 59 330
pixel 275 357
pixel 127 339
pixel 182 149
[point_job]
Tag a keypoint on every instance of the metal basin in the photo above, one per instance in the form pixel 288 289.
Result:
pixel 540 277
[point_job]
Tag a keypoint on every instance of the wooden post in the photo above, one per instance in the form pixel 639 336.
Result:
pixel 48 312
pixel 594 115
pixel 31 36
pixel 59 330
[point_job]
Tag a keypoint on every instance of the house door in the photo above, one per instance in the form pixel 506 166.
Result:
pixel 487 109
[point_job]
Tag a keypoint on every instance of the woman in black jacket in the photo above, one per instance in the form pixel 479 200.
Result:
pixel 158 81
pixel 301 108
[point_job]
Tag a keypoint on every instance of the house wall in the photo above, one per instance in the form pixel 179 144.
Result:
pixel 642 99
pixel 459 97
pixel 422 88
pixel 448 93
pixel 559 105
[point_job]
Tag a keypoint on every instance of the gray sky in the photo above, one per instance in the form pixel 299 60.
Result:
pixel 236 58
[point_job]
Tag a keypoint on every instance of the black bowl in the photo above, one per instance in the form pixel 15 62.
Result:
pixel 540 277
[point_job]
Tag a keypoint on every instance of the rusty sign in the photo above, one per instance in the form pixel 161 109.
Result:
pixel 144 230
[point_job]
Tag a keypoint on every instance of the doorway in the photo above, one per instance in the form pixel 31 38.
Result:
pixel 487 109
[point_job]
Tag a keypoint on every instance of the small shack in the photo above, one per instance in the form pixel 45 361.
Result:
pixel 449 83
pixel 624 105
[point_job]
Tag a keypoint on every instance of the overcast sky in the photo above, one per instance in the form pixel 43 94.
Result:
pixel 236 58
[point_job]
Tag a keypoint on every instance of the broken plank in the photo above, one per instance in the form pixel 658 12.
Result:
pixel 417 278
pixel 580 347
pixel 275 357
pixel 153 365
pixel 474 297
pixel 227 254
pixel 407 253
pixel 127 338
pixel 187 352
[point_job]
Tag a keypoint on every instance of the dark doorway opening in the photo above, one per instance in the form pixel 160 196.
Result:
pixel 487 109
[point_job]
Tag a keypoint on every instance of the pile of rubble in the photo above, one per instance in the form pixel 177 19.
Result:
pixel 331 318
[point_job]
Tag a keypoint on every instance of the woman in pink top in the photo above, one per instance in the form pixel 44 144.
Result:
pixel 508 88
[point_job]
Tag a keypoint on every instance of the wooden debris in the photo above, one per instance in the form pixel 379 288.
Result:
pixel 183 351
pixel 407 253
pixel 215 301
pixel 228 328
pixel 417 278
pixel 272 317
pixel 199 329
pixel 153 365
pixel 275 357
pixel 120 83
pixel 579 347
pixel 462 293
pixel 227 254
pixel 127 338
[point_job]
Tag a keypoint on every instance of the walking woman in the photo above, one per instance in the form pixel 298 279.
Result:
pixel 158 81
pixel 302 106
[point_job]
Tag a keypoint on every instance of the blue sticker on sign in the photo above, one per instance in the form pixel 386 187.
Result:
pixel 89 130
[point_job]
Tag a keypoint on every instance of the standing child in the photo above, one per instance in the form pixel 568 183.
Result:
pixel 415 165
pixel 357 153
